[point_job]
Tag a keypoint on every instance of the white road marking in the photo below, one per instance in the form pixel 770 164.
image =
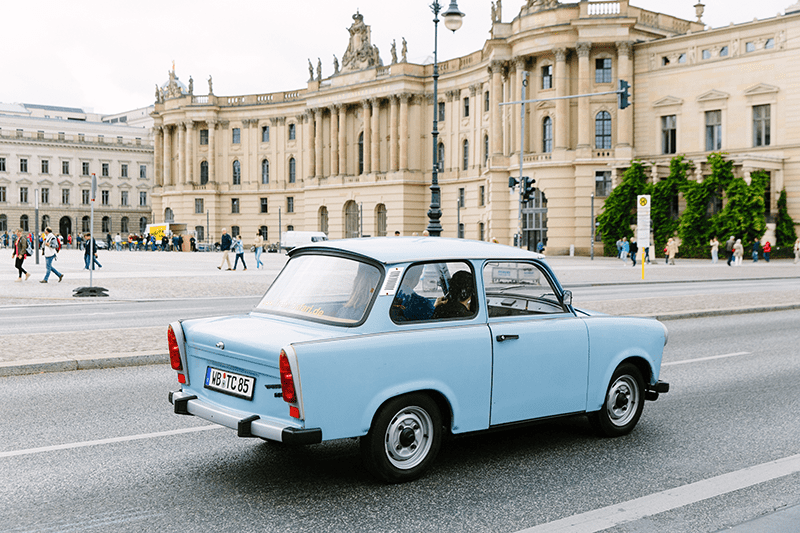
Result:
pixel 113 440
pixel 700 359
pixel 660 502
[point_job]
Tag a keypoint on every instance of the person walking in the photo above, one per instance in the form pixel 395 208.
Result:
pixel 625 250
pixel 118 242
pixel 258 245
pixel 729 249
pixel 225 246
pixel 238 249
pixel 672 249
pixel 797 251
pixel 50 254
pixel 714 243
pixel 90 253
pixel 19 252
pixel 738 252
pixel 634 250
pixel 756 249
pixel 767 249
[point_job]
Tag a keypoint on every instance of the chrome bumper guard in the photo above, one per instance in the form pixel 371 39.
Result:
pixel 652 391
pixel 248 426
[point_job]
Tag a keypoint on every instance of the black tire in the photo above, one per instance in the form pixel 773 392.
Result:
pixel 623 403
pixel 404 439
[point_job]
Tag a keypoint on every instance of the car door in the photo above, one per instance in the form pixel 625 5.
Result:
pixel 540 349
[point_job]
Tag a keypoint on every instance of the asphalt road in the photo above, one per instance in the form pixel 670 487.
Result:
pixel 100 450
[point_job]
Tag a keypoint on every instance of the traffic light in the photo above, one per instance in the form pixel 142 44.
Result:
pixel 527 188
pixel 512 182
pixel 623 94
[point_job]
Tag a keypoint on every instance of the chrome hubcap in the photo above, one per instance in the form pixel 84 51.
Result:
pixel 622 401
pixel 408 437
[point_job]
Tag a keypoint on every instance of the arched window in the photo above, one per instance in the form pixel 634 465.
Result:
pixel 351 220
pixel 602 130
pixel 200 232
pixel 547 135
pixel 264 172
pixel 106 226
pixel 142 225
pixel 465 155
pixel 292 171
pixel 168 215
pixel 292 133
pixel 23 223
pixel 86 224
pixel 264 231
pixel 45 221
pixel 440 157
pixel 323 219
pixel 123 225
pixel 361 153
pixel 203 172
pixel 3 224
pixel 486 150
pixel 237 173
pixel 380 220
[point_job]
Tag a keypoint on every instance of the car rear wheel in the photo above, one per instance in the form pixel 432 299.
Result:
pixel 404 439
pixel 623 403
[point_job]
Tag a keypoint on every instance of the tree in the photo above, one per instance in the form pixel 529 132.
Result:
pixel 619 211
pixel 664 201
pixel 696 226
pixel 785 234
pixel 743 215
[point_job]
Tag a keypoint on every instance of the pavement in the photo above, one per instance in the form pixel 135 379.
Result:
pixel 140 276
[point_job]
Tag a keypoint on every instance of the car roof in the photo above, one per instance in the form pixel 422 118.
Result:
pixel 388 250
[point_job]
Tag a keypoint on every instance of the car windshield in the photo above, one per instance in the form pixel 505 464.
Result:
pixel 323 287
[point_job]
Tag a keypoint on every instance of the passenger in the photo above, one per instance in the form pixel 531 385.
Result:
pixel 363 288
pixel 407 304
pixel 459 297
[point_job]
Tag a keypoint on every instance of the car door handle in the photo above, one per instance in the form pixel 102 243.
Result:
pixel 501 338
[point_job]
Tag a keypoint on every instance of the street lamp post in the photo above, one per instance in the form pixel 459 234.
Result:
pixel 452 21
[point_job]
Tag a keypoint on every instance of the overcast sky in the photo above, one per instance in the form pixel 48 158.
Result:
pixel 108 55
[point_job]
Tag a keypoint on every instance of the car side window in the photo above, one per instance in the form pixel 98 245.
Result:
pixel 425 293
pixel 518 289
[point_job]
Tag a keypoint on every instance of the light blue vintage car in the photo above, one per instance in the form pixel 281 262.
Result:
pixel 400 341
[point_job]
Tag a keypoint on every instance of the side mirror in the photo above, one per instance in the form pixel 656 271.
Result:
pixel 567 298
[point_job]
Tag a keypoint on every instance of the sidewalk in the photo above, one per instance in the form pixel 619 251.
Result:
pixel 161 275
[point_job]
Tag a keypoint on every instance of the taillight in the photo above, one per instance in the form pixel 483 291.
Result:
pixel 174 350
pixel 287 380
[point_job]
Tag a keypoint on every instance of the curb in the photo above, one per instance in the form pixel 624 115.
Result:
pixel 677 315
pixel 20 368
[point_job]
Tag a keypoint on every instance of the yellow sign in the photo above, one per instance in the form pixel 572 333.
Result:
pixel 643 201
pixel 158 231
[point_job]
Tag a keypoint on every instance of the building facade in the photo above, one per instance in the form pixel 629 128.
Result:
pixel 351 154
pixel 50 153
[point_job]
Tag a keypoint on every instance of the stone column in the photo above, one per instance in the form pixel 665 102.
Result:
pixel 404 98
pixel 496 69
pixel 516 110
pixel 168 155
pixel 394 100
pixel 212 151
pixel 310 134
pixel 585 122
pixel 181 154
pixel 318 142
pixel 334 109
pixel 375 144
pixel 365 106
pixel 188 150
pixel 342 139
pixel 158 155
pixel 560 79
pixel 625 116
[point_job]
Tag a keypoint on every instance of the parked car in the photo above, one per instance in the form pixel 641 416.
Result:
pixel 399 341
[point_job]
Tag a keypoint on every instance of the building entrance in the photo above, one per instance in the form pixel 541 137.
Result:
pixel 534 222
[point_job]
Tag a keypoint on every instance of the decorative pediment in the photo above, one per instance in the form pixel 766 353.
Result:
pixel 713 95
pixel 668 101
pixel 761 88
pixel 45 183
pixel 65 184
pixel 546 105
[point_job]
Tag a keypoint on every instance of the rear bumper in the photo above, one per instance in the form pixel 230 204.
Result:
pixel 653 391
pixel 245 426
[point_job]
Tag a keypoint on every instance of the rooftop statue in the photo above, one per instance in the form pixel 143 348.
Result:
pixel 360 52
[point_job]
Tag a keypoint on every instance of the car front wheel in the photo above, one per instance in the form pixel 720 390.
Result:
pixel 404 439
pixel 623 403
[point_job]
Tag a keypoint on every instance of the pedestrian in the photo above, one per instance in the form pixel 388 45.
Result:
pixel 225 246
pixel 258 247
pixel 756 249
pixel 51 247
pixel 192 244
pixel 729 249
pixel 714 243
pixel 108 240
pixel 767 250
pixel 634 248
pixel 738 252
pixel 625 250
pixel 19 253
pixel 797 250
pixel 238 249
pixel 69 241
pixel 619 247
pixel 118 242
pixel 672 249
pixel 90 253
pixel 79 241
pixel 164 243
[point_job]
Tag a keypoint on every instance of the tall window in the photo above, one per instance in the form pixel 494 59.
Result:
pixel 713 130
pixel 123 225
pixel 264 134
pixel 361 153
pixel 265 205
pixel 465 155
pixel 485 150
pixel 23 195
pixel 3 224
pixel 486 101
pixel 235 230
pixel 602 70
pixel 23 165
pixel 65 167
pixel 234 205
pixel 482 195
pixel 761 125
pixel 466 106
pixel 2 164
pixel 351 225
pixel 292 132
pixel 203 137
pixel 143 172
pixel 198 206
pixel 45 196
pixel 237 173
pixel 236 136
pixel 142 224
pixel 105 197
pixel 461 196
pixel 142 198
pixel 290 204
pixel 123 198
pixel 669 134
pixel 547 77
pixel 84 168
pixel 85 197
pixel 106 226
pixel 380 220
pixel 441 157
pixel 323 219
pixel 602 130
pixel 441 111
pixel 65 196
pixel 23 223
pixel 86 224
pixel 104 170
pixel 45 166
pixel 203 172
pixel 264 171
pixel 264 230
pixel 547 135
pixel 292 171
pixel 481 231
pixel 602 183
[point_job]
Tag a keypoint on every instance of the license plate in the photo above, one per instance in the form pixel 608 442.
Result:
pixel 230 383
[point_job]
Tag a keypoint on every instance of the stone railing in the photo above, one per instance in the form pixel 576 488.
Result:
pixel 603 8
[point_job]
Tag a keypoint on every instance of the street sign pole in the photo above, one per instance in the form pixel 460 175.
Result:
pixel 643 224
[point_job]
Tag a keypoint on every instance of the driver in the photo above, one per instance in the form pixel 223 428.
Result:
pixel 459 297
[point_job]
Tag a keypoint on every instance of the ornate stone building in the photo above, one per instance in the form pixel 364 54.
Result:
pixel 53 152
pixel 351 154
